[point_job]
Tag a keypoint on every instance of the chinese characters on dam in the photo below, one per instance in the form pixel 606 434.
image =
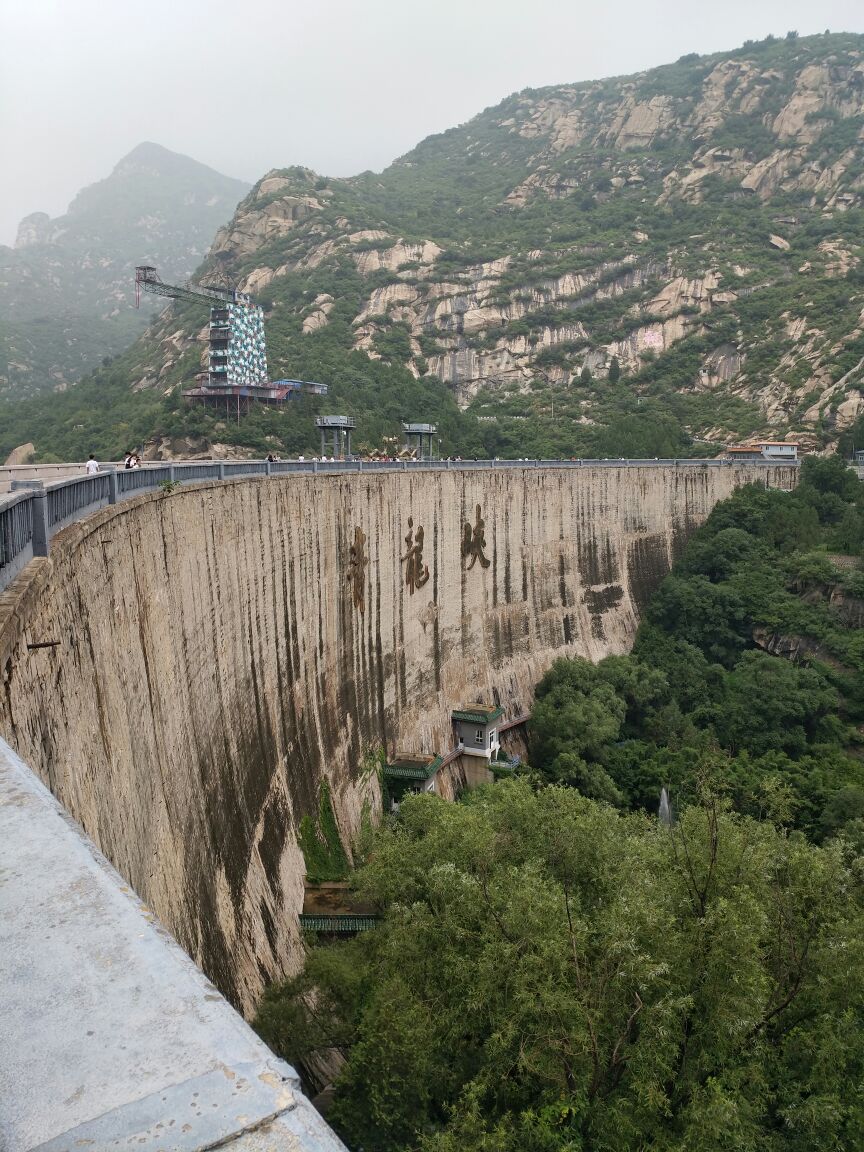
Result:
pixel 472 548
pixel 416 572
pixel 474 541
pixel 357 561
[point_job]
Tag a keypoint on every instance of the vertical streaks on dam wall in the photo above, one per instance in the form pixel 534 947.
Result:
pixel 222 650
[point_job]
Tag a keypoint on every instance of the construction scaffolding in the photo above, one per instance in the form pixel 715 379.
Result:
pixel 236 372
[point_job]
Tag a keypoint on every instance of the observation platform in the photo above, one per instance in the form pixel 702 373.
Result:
pixel 341 428
pixel 420 437
pixel 332 908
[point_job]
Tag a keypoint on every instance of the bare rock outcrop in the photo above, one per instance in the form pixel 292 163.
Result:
pixel 250 229
pixel 319 315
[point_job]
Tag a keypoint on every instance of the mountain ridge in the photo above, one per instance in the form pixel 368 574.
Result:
pixel 677 250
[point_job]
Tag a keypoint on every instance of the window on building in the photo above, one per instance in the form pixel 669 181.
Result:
pixel 492 738
pixel 480 736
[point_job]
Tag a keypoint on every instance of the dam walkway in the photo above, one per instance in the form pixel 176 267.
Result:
pixel 112 1037
pixel 36 510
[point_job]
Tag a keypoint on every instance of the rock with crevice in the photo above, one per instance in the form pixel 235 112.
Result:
pixel 319 314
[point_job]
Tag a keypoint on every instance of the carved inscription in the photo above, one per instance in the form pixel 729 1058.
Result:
pixel 473 542
pixel 356 574
pixel 416 572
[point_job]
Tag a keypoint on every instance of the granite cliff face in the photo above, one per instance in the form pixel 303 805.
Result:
pixel 697 228
pixel 217 652
pixel 65 288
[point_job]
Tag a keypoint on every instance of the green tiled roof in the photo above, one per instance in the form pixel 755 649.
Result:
pixel 412 769
pixel 338 923
pixel 478 715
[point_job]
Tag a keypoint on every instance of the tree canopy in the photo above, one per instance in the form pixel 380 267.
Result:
pixel 554 969
pixel 552 974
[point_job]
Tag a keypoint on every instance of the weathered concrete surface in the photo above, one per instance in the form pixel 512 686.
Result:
pixel 213 663
pixel 112 1038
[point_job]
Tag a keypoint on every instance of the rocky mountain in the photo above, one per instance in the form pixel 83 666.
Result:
pixel 630 266
pixel 65 288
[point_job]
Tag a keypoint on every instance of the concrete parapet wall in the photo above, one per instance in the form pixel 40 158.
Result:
pixel 112 1038
pixel 217 651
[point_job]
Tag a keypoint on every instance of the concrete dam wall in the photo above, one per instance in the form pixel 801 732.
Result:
pixel 215 652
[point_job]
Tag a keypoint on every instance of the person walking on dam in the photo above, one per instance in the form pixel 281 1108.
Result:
pixel 92 465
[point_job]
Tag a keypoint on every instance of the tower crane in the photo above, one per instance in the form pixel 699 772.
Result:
pixel 147 279
pixel 237 356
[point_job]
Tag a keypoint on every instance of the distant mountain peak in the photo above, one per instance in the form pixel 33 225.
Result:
pixel 33 229
pixel 156 206
pixel 153 159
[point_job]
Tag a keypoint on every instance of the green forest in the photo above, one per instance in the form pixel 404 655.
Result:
pixel 556 968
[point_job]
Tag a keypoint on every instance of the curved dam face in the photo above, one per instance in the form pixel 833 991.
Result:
pixel 215 652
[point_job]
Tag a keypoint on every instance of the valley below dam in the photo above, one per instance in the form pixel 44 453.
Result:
pixel 209 656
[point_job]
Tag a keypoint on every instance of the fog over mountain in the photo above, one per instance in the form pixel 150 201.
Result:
pixel 66 288
pixel 338 86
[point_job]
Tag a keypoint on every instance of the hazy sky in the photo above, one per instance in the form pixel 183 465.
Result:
pixel 338 85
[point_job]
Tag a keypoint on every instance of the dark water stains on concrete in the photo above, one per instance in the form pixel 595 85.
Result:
pixel 275 823
pixel 600 600
pixel 647 565
pixel 436 628
pixel 269 925
pixel 598 563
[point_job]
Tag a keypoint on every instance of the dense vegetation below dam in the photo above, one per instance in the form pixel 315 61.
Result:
pixel 554 968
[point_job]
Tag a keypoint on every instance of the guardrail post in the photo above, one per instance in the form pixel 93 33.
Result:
pixel 171 478
pixel 314 465
pixel 112 484
pixel 221 466
pixel 39 501
pixel 40 523
pixel 268 467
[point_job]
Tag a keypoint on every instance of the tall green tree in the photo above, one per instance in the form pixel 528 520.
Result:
pixel 549 975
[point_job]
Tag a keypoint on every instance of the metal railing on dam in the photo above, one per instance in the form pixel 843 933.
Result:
pixel 36 510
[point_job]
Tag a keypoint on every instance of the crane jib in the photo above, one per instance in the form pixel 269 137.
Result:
pixel 148 279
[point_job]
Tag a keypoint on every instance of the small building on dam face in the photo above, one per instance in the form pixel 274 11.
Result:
pixel 476 729
pixel 211 655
